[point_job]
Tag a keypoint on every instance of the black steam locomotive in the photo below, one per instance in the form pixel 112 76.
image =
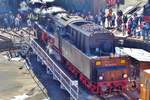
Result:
pixel 87 50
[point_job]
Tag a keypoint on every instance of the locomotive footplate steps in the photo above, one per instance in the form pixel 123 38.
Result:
pixel 68 84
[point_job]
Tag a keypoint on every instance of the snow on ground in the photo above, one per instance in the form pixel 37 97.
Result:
pixel 20 97
pixel 15 81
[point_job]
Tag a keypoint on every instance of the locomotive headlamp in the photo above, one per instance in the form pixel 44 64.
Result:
pixel 123 61
pixel 141 85
pixel 98 63
pixel 125 75
pixel 100 78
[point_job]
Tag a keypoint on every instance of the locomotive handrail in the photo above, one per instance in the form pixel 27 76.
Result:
pixel 70 85
pixel 43 29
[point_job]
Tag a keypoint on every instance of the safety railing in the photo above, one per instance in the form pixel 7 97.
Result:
pixel 66 82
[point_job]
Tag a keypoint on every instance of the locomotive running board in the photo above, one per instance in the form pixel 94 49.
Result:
pixel 71 86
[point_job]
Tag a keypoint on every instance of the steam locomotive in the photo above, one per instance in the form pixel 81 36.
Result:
pixel 87 50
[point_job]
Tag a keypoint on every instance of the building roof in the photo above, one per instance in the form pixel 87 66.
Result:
pixel 138 54
pixel 147 71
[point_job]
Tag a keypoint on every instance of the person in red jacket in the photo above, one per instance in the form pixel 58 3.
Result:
pixel 44 38
pixel 130 26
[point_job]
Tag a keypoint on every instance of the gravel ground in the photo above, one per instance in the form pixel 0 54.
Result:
pixel 15 81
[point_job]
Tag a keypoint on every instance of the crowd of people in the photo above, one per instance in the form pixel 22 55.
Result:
pixel 130 25
pixel 11 21
pixel 14 21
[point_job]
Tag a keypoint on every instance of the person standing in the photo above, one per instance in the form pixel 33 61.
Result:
pixel 119 23
pixel 109 17
pixel 103 18
pixel 44 38
pixel 135 24
pixel 140 28
pixel 90 17
pixel 99 18
pixel 119 20
pixel 96 19
pixel 136 19
pixel 113 20
pixel 17 23
pixel 130 22
pixel 146 29
pixel 141 19
pixel 22 37
pixel 29 24
pixel 12 21
pixel 125 19
pixel 118 4
pixel 20 20
pixel 6 23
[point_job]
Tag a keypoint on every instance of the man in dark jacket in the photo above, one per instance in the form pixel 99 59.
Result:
pixel 125 19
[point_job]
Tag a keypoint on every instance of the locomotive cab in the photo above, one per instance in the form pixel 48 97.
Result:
pixel 92 39
pixel 101 44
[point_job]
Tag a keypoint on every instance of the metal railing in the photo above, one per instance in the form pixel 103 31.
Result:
pixel 66 82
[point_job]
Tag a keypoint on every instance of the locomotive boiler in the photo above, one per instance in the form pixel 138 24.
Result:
pixel 87 50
